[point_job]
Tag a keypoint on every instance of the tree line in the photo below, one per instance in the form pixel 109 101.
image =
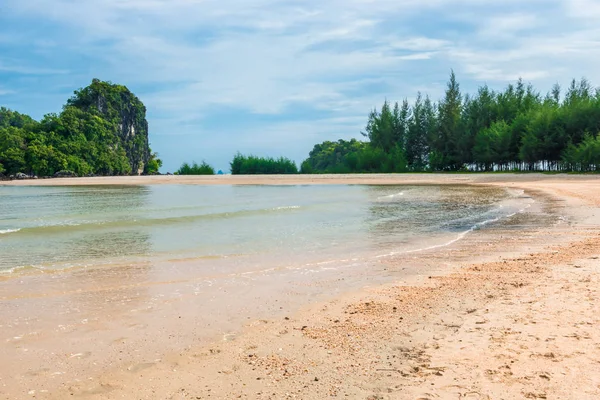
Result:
pixel 86 138
pixel 244 165
pixel 252 165
pixel 516 129
pixel 195 169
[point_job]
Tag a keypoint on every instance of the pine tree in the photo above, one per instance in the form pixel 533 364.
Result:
pixel 416 138
pixel 447 143
pixel 380 128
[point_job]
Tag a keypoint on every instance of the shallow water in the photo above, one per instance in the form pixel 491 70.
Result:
pixel 153 270
pixel 234 228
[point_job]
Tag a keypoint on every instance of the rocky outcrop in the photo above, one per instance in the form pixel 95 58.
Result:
pixel 126 113
pixel 65 174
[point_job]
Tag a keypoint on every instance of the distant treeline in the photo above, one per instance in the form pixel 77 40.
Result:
pixel 353 157
pixel 195 169
pixel 512 130
pixel 251 165
pixel 516 129
pixel 244 165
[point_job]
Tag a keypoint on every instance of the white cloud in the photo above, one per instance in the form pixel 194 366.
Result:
pixel 28 70
pixel 508 25
pixel 418 44
pixel 584 9
pixel 187 58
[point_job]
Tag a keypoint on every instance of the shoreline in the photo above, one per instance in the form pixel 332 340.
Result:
pixel 24 271
pixel 281 357
pixel 356 347
pixel 329 179
pixel 511 327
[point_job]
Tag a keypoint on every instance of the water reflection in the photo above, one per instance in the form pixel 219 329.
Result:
pixel 398 214
pixel 76 226
pixel 110 244
pixel 63 227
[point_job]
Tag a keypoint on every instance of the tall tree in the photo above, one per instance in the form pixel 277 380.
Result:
pixel 416 138
pixel 380 128
pixel 446 145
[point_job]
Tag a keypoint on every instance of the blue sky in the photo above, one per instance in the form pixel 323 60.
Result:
pixel 275 77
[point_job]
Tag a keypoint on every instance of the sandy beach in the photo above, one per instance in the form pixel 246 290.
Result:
pixel 349 179
pixel 501 314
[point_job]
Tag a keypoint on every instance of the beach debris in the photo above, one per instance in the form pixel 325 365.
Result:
pixel 228 337
pixel 545 375
pixel 536 395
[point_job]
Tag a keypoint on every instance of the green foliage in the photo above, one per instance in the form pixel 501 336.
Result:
pixel 585 156
pixel 252 165
pixel 154 164
pixel 386 128
pixel 333 157
pixel 195 169
pixel 343 157
pixel 492 145
pixel 514 129
pixel 101 130
pixel 10 118
pixel 12 149
pixel 448 139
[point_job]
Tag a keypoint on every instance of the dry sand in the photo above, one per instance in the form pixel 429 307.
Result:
pixel 350 179
pixel 499 316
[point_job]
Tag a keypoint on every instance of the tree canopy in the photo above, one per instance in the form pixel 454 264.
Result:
pixel 195 169
pixel 101 130
pixel 514 129
pixel 252 165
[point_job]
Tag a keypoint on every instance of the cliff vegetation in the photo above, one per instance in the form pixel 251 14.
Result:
pixel 101 130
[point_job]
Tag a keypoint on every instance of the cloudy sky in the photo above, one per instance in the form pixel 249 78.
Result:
pixel 275 77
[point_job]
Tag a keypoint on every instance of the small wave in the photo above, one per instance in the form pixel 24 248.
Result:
pixel 460 236
pixel 391 196
pixel 142 222
pixel 5 231
pixel 20 269
pixel 467 222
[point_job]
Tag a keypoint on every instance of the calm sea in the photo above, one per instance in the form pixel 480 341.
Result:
pixel 235 228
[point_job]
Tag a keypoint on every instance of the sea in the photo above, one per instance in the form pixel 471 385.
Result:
pixel 238 229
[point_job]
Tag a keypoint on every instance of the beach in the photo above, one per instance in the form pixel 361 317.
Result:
pixel 508 312
pixel 350 179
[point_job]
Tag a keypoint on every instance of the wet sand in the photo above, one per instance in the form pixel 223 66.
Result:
pixel 505 313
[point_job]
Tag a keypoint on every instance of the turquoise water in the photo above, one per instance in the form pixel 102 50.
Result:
pixel 235 227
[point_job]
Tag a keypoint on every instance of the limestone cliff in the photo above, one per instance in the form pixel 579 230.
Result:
pixel 124 112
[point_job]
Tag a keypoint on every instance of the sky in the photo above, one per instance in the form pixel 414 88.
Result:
pixel 273 78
